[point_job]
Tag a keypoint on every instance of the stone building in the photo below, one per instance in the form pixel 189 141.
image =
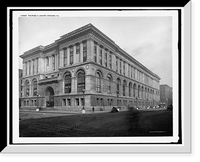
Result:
pixel 86 68
pixel 165 94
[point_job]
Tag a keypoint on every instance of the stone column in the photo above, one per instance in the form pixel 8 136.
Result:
pixel 126 70
pixel 73 85
pixel 55 62
pixel 81 51
pixel 122 67
pixel 90 50
pixel 119 65
pixel 24 70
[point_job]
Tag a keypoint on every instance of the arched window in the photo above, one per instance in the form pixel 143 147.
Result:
pixel 98 82
pixel 27 88
pixel 109 78
pixel 80 81
pixel 34 87
pixel 118 84
pixel 142 90
pixel 130 86
pixel 68 81
pixel 134 89
pixel 138 91
pixel 124 88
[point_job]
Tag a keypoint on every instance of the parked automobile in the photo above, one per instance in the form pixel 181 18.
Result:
pixel 170 107
pixel 114 110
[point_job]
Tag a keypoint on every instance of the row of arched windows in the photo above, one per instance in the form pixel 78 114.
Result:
pixel 80 81
pixel 142 92
pixel 132 90
pixel 27 88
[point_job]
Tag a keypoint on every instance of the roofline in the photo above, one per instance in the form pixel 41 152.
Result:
pixel 79 30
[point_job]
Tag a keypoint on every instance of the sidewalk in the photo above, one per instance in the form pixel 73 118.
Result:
pixel 63 111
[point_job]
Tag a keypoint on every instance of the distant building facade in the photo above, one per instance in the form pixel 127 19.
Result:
pixel 20 85
pixel 86 68
pixel 166 94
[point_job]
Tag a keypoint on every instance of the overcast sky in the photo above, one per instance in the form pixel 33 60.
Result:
pixel 147 39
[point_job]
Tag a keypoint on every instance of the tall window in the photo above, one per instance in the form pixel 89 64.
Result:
pixel 65 56
pixel 116 64
pixel 138 91
pixel 47 59
pixel 77 52
pixel 120 66
pixel 53 62
pixel 105 58
pixel 118 85
pixel 29 67
pixel 34 87
pixel 124 67
pixel 33 61
pixel 37 65
pixel 109 81
pixel 100 56
pixel 110 60
pixel 27 88
pixel 98 82
pixel 67 82
pixel 71 55
pixel 84 51
pixel 134 89
pixel 95 53
pixel 80 80
pixel 124 88
pixel 130 86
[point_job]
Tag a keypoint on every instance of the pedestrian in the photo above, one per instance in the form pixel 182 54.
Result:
pixel 93 109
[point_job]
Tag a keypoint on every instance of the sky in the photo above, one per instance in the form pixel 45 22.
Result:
pixel 147 39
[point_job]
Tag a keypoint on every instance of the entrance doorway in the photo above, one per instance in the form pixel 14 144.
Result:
pixel 49 95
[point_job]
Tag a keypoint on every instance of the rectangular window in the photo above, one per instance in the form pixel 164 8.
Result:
pixel 68 102
pixel 71 55
pixel 84 51
pixel 77 102
pixel 29 67
pixel 64 102
pixel 95 53
pixel 53 62
pixel 100 56
pixel 82 102
pixel 37 65
pixel 116 64
pixel 33 66
pixel 110 60
pixel 124 68
pixel 78 52
pixel 105 59
pixel 65 57
pixel 120 66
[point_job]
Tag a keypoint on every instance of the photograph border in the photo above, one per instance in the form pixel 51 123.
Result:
pixel 10 114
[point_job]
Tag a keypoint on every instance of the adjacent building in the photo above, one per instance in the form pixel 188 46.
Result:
pixel 20 85
pixel 86 68
pixel 166 94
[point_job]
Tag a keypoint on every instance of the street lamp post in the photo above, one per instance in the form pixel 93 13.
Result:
pixel 37 102
pixel 83 109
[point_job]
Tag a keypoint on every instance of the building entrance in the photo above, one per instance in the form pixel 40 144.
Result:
pixel 49 95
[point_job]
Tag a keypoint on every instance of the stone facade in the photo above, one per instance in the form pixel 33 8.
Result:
pixel 85 68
